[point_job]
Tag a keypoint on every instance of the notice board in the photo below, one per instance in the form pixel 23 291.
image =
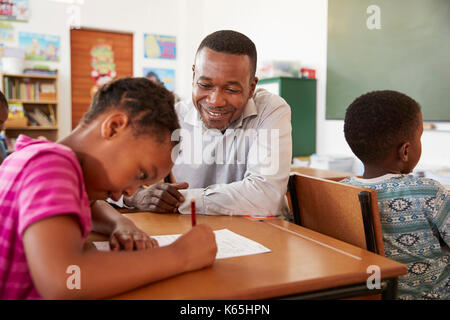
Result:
pixel 97 57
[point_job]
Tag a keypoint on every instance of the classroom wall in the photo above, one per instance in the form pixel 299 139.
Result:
pixel 282 30
pixel 297 30
pixel 137 16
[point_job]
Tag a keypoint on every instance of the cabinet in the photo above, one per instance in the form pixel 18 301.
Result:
pixel 35 99
pixel 300 94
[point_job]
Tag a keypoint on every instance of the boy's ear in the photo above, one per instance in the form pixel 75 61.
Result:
pixel 403 151
pixel 114 124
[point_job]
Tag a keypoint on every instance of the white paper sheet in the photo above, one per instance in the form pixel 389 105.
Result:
pixel 229 244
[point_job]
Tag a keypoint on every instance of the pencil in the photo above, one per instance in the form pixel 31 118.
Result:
pixel 193 214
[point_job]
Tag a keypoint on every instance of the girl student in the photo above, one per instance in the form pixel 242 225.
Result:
pixel 47 190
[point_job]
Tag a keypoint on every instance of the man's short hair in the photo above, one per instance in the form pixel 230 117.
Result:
pixel 232 42
pixel 378 122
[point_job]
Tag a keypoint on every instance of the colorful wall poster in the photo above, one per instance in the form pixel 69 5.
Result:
pixel 14 10
pixel 40 47
pixel 103 68
pixel 165 76
pixel 159 46
pixel 6 32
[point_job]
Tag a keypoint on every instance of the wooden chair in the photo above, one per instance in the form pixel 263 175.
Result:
pixel 345 212
pixel 339 210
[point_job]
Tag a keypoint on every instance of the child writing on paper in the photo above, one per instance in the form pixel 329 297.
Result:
pixel 46 188
pixel 383 129
pixel 3 117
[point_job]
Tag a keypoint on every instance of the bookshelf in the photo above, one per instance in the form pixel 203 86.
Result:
pixel 33 100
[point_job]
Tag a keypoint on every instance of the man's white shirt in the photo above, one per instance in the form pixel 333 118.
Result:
pixel 243 171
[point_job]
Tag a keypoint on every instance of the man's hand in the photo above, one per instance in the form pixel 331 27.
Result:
pixel 160 197
pixel 128 237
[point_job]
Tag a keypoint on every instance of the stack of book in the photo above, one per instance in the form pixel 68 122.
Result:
pixel 39 118
pixel 39 71
pixel 33 91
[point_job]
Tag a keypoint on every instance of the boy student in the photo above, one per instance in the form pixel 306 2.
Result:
pixel 227 169
pixel 383 129
pixel 46 189
pixel 3 116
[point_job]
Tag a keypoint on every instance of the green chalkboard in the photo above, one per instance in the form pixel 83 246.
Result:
pixel 401 45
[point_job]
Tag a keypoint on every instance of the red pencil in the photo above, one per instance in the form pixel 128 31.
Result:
pixel 193 214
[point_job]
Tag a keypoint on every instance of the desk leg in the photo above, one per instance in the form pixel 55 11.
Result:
pixel 390 293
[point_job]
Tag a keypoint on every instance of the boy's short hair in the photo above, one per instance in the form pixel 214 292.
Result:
pixel 3 101
pixel 378 122
pixel 232 42
pixel 149 106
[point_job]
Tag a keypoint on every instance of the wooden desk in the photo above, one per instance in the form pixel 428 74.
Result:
pixel 301 262
pixel 324 174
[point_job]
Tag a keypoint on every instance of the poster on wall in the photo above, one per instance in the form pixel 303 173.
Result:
pixel 103 68
pixel 39 47
pixel 6 32
pixel 14 10
pixel 96 57
pixel 164 76
pixel 159 46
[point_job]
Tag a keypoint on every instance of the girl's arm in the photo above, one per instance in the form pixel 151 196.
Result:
pixel 122 231
pixel 53 244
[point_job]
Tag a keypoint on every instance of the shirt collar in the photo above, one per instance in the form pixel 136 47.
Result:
pixel 192 117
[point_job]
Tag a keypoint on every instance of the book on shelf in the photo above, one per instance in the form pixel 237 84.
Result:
pixel 51 115
pixel 15 110
pixel 42 72
pixel 47 91
pixel 29 90
pixel 31 120
pixel 41 118
pixel 16 116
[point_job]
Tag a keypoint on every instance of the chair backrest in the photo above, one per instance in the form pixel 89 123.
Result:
pixel 345 212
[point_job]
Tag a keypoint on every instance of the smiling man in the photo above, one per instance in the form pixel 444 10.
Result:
pixel 235 145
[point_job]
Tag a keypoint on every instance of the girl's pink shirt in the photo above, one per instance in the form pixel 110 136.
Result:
pixel 39 180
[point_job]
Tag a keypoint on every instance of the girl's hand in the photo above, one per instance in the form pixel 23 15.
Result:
pixel 197 247
pixel 128 237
